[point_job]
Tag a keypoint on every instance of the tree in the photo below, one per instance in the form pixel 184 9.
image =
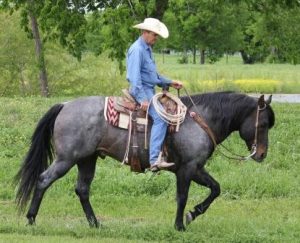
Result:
pixel 252 47
pixel 267 26
pixel 66 22
pixel 280 33
pixel 29 13
pixel 258 29
pixel 17 64
pixel 39 50
pixel 54 20
pixel 209 26
pixel 113 25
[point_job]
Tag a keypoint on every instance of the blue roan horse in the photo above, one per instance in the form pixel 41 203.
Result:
pixel 78 132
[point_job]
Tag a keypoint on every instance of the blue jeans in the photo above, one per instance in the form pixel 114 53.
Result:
pixel 158 133
pixel 158 130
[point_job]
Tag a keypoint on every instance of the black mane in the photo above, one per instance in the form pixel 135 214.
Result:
pixel 217 101
pixel 227 105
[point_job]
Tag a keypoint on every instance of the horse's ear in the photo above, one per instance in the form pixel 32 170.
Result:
pixel 261 101
pixel 269 100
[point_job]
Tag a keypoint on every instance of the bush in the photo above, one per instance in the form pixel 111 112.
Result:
pixel 183 60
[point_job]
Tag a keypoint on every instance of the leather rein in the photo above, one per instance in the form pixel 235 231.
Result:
pixel 201 122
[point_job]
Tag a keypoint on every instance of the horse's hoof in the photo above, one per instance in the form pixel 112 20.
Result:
pixel 180 227
pixel 93 223
pixel 188 218
pixel 31 221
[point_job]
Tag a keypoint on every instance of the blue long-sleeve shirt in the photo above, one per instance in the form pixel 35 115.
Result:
pixel 141 71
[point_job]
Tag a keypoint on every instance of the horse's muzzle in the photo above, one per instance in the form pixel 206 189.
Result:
pixel 260 155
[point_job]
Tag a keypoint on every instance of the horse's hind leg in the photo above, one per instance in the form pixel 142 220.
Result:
pixel 86 171
pixel 55 171
pixel 203 178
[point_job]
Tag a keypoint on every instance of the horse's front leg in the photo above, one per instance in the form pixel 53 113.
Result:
pixel 203 178
pixel 183 185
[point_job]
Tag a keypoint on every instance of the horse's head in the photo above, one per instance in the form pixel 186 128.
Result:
pixel 254 130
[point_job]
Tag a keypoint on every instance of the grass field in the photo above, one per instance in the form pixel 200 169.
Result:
pixel 258 203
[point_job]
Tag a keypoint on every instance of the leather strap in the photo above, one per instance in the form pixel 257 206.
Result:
pixel 204 126
pixel 135 163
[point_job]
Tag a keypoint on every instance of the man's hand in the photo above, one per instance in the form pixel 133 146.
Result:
pixel 144 105
pixel 176 84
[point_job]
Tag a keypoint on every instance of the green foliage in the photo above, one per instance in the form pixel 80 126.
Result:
pixel 184 59
pixel 282 27
pixel 116 33
pixel 92 76
pixel 17 61
pixel 256 29
pixel 270 30
pixel 205 25
pixel 104 30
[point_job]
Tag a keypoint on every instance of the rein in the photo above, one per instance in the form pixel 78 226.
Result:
pixel 210 133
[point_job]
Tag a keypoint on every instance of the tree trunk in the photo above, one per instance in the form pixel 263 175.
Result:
pixel 194 55
pixel 247 59
pixel 202 56
pixel 23 85
pixel 40 55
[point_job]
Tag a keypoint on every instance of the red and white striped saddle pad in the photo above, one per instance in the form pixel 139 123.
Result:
pixel 117 118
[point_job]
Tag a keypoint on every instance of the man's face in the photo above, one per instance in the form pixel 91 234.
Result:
pixel 150 37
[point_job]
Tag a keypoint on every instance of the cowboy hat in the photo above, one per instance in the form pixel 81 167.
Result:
pixel 154 25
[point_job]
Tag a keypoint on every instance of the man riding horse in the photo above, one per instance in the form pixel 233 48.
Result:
pixel 143 77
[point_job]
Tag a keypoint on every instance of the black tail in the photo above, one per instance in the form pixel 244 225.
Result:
pixel 39 156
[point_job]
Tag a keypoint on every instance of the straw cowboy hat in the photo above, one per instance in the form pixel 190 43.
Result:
pixel 154 25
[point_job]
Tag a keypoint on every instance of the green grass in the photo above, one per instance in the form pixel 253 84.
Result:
pixel 258 203
pixel 151 219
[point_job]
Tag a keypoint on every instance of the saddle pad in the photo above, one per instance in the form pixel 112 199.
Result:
pixel 110 113
pixel 116 118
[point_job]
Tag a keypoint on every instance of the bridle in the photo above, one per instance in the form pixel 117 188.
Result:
pixel 254 144
pixel 210 133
